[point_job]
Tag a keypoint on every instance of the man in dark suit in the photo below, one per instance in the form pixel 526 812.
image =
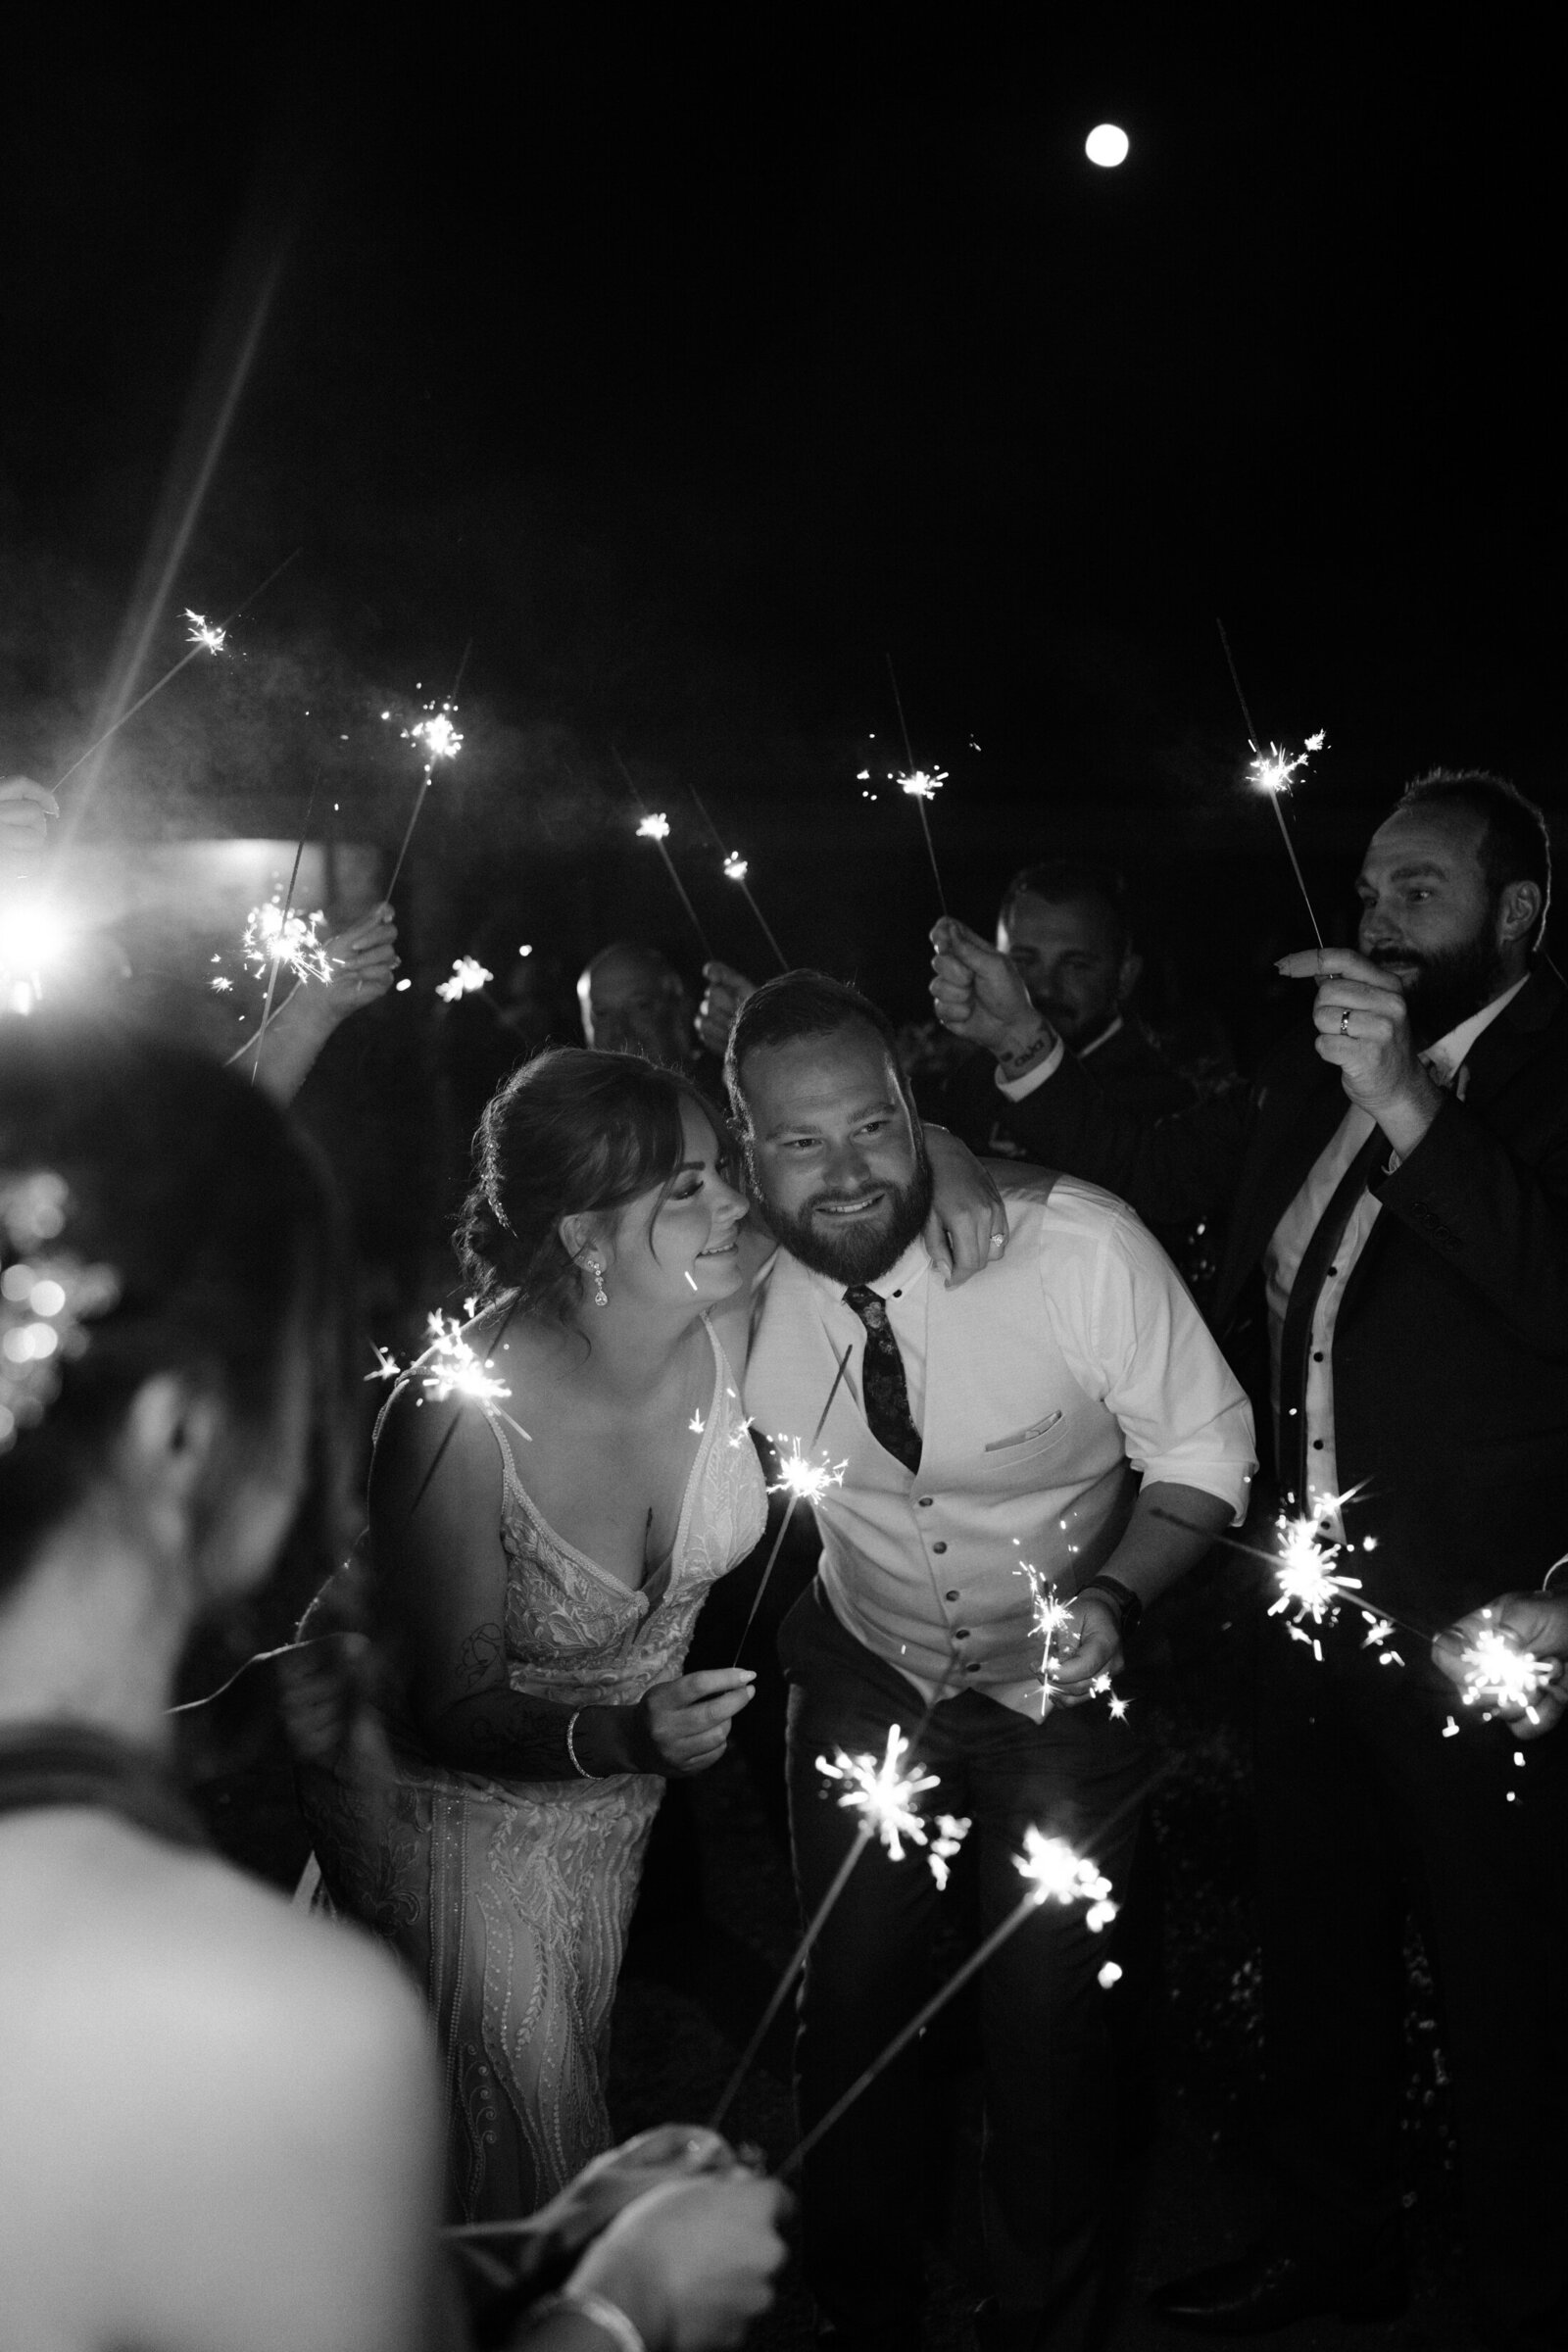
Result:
pixel 1396 1271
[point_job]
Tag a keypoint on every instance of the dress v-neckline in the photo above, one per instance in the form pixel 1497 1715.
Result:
pixel 666 1567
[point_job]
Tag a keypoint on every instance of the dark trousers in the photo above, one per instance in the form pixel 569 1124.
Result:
pixel 1364 1804
pixel 1049 2125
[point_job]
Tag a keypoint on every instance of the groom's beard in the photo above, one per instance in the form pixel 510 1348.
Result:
pixel 855 1249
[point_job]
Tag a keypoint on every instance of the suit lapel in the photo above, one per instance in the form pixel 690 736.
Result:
pixel 1512 1041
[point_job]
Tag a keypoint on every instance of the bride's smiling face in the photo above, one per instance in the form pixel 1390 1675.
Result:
pixel 678 1246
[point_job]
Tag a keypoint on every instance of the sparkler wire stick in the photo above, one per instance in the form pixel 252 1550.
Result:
pixel 795 1496
pixel 282 930
pixel 797 1960
pixel 735 871
pixel 1273 795
pixel 919 797
pixel 262 1657
pixel 654 828
pixel 940 1998
pixel 198 645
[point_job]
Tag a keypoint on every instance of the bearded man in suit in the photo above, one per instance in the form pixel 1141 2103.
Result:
pixel 1394 1277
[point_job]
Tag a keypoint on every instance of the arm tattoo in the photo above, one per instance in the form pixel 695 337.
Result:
pixel 481 1653
pixel 509 1734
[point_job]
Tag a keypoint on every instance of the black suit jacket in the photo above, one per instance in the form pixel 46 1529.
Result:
pixel 1451 1350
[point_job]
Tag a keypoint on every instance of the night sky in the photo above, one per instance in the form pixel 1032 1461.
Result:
pixel 685 374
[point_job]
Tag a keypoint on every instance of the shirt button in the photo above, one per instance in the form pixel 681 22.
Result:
pixel 1334 1270
pixel 961 1634
pixel 953 1595
pixel 1317 1444
pixel 925 1502
pixel 939 1547
pixel 1317 1356
pixel 971 1670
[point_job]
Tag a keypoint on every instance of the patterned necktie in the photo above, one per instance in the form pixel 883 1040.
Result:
pixel 887 1392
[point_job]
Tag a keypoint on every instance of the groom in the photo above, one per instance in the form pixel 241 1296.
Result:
pixel 1047 1415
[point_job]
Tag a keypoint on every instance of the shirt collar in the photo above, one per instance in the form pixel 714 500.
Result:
pixel 1451 1053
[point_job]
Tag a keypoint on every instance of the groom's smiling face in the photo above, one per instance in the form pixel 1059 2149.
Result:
pixel 836 1161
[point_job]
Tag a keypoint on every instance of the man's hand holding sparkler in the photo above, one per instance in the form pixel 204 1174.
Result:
pixel 1086 1643
pixel 980 995
pixel 25 809
pixel 365 962
pixel 727 992
pixel 1363 1027
pixel 1509 1657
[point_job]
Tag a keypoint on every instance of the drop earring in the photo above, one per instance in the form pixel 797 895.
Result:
pixel 601 1294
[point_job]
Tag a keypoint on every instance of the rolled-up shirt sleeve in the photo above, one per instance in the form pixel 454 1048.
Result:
pixel 1143 1348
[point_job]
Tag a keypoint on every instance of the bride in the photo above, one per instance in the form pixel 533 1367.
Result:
pixel 542 1537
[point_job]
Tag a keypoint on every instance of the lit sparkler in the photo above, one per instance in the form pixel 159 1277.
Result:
pixel 195 644
pixel 276 940
pixel 796 1488
pixel 654 828
pixel 736 867
pixel 1050 1616
pixel 1271 771
pixel 438 739
pixel 920 784
pixel 882 1791
pixel 804 1479
pixel 452 1369
pixel 467 975
pixel 387 1366
pixel 1055 1873
pixel 1497 1673
pixel 206 636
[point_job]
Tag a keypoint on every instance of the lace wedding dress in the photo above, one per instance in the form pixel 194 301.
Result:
pixel 511 1899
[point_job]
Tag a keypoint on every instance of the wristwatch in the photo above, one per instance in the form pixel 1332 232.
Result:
pixel 1128 1608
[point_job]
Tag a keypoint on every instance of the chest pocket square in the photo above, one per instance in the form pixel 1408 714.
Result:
pixel 1032 1440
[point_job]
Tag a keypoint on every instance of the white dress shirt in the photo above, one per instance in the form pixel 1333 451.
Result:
pixel 1042 1389
pixel 1289 1242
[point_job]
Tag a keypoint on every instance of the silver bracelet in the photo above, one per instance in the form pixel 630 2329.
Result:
pixel 596 2309
pixel 577 1764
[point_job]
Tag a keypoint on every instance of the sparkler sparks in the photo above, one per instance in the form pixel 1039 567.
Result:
pixel 387 1366
pixel 467 975
pixel 437 735
pixel 951 1834
pixel 277 941
pixel 736 867
pixel 804 1479
pixel 655 827
pixel 882 1792
pixel 1497 1673
pixel 454 1370
pixel 1272 771
pixel 204 633
pixel 1307 1578
pixel 1058 1874
pixel 920 784
pixel 1049 1615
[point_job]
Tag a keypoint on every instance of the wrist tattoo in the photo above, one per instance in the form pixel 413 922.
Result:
pixel 1018 1059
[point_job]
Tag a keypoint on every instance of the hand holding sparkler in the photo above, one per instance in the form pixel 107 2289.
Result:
pixel 25 809
pixel 1508 1660
pixel 1363 1028
pixel 980 995
pixel 727 992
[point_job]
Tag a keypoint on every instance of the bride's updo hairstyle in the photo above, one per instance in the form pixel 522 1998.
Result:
pixel 570 1133
pixel 156 1215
